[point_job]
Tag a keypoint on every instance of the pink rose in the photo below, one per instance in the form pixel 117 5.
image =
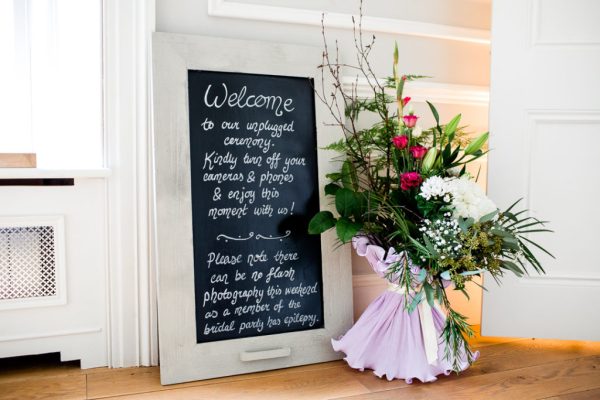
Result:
pixel 405 101
pixel 400 141
pixel 418 151
pixel 409 180
pixel 410 120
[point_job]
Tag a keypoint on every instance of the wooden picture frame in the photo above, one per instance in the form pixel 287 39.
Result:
pixel 181 357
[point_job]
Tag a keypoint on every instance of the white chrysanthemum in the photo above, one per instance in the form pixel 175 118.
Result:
pixel 436 187
pixel 469 200
pixel 417 131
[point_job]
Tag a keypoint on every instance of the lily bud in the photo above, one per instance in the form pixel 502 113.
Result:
pixel 396 61
pixel 477 144
pixel 429 159
pixel 399 89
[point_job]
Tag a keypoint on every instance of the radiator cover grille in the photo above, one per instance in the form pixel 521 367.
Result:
pixel 27 262
pixel 31 261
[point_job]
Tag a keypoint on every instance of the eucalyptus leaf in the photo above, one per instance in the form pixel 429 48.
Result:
pixel 513 267
pixel 465 223
pixel 488 217
pixel 500 232
pixel 415 301
pixel 469 273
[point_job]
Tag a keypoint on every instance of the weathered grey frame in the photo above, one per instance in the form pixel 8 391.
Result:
pixel 181 358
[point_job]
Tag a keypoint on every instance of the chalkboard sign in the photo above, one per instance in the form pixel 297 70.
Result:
pixel 237 136
pixel 253 157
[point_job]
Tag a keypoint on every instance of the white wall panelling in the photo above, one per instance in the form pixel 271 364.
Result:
pixel 578 21
pixel 435 92
pixel 259 12
pixel 546 128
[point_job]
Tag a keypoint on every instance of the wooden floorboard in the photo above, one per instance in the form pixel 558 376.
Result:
pixel 65 387
pixel 538 382
pixel 585 395
pixel 509 368
pixel 313 384
pixel 141 380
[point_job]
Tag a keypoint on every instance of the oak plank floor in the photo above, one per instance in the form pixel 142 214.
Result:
pixel 508 368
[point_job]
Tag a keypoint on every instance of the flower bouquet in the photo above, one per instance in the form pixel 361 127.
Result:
pixel 406 202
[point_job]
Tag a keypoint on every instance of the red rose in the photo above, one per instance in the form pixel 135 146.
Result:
pixel 410 120
pixel 418 151
pixel 409 180
pixel 400 141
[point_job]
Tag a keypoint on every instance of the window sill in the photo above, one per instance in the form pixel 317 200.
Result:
pixel 38 173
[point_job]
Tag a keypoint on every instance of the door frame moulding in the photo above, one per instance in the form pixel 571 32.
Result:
pixel 131 293
pixel 260 12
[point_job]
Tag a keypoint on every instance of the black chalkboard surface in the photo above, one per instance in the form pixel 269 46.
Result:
pixel 254 189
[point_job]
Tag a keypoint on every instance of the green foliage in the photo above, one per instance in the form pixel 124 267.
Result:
pixel 455 334
pixel 349 176
pixel 346 202
pixel 331 189
pixel 321 222
pixel 477 144
pixel 372 198
pixel 450 128
pixel 346 229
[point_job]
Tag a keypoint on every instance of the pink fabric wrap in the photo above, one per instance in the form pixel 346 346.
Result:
pixel 387 338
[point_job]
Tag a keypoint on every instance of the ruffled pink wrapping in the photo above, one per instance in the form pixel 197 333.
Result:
pixel 387 338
